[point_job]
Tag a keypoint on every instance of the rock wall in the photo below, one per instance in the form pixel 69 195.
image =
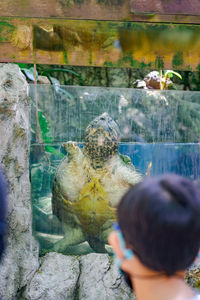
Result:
pixel 23 275
pixel 87 277
pixel 21 258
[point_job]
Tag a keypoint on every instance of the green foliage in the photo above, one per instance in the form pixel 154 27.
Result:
pixel 21 65
pixel 164 78
pixel 46 137
pixel 171 73
pixel 44 128
pixel 57 87
pixel 50 71
pixel 30 73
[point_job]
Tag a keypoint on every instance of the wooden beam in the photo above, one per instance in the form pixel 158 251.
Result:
pixel 165 18
pixel 173 7
pixel 176 11
pixel 100 43
pixel 76 9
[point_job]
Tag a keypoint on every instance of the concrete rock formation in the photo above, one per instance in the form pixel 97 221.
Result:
pixel 88 277
pixel 21 258
pixel 103 279
pixel 56 278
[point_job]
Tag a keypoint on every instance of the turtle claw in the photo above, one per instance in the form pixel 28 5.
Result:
pixel 71 147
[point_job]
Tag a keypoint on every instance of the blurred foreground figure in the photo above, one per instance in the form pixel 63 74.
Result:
pixel 158 237
pixel 3 209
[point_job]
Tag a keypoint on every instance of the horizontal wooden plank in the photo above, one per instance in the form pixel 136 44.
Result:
pixel 81 9
pixel 173 7
pixel 158 18
pixel 100 43
pixel 177 11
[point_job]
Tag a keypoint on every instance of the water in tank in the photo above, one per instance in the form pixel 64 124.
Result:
pixel 90 144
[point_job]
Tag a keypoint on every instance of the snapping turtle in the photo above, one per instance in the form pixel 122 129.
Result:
pixel 89 183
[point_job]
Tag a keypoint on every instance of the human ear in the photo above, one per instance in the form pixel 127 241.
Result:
pixel 115 244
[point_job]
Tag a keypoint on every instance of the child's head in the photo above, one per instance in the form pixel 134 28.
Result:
pixel 160 221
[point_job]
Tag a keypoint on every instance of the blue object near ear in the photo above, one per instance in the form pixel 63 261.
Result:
pixel 198 255
pixel 128 253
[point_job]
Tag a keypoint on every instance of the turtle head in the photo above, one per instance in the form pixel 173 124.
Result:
pixel 101 139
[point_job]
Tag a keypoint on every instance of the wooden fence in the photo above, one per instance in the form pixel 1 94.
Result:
pixel 155 34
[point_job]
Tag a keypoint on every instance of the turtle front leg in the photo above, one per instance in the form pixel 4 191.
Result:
pixel 72 236
pixel 72 149
pixel 131 176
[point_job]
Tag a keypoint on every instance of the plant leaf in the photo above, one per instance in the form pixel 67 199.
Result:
pixel 58 87
pixel 21 65
pixel 30 73
pixel 44 128
pixel 49 71
pixel 55 82
pixel 171 73
pixel 66 93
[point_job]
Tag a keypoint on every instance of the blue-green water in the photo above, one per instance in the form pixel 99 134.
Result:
pixel 178 158
pixel 183 159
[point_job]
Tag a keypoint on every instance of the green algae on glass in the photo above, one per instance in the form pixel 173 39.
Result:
pixel 159 63
pixel 128 60
pixel 177 60
pixel 90 59
pixel 108 64
pixel 65 57
pixel 5 30
pixel 6 24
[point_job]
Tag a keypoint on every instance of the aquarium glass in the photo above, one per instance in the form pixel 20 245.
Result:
pixel 107 140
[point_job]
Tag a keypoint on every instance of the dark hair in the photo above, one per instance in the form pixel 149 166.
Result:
pixel 3 209
pixel 160 220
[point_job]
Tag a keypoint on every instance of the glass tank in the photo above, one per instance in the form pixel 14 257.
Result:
pixel 90 144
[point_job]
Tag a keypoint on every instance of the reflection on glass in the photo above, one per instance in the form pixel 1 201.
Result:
pixel 107 140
